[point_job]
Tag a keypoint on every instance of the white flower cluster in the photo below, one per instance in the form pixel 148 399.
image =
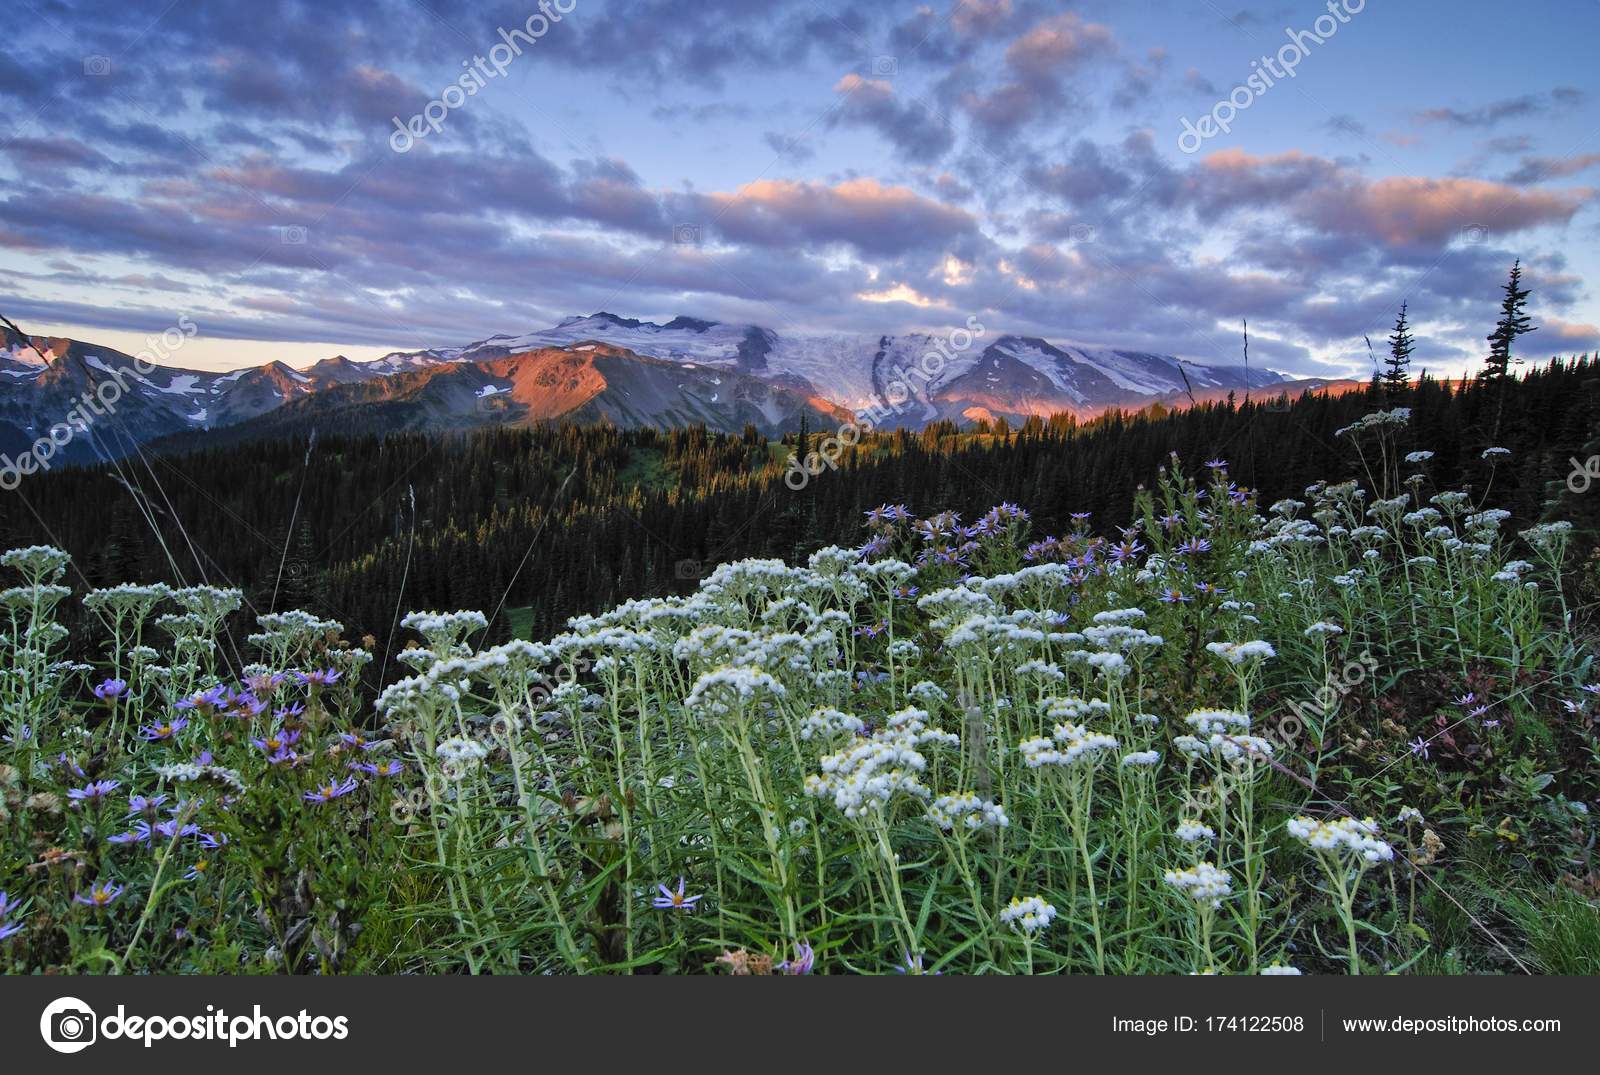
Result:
pixel 1217 721
pixel 968 811
pixel 1069 744
pixel 1203 882
pixel 713 691
pixel 830 723
pixel 460 756
pixel 1242 652
pixel 1191 831
pixel 1028 914
pixel 1354 836
pixel 864 777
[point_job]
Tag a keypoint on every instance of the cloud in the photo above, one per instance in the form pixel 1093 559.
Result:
pixel 1495 112
pixel 917 133
pixel 1039 63
pixel 1539 169
pixel 862 213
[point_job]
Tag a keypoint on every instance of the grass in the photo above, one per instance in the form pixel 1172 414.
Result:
pixel 1350 735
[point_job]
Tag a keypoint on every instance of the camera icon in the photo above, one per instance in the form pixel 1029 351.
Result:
pixel 686 234
pixel 292 234
pixel 1082 233
pixel 884 66
pixel 1475 233
pixel 689 569
pixel 97 66
pixel 68 1025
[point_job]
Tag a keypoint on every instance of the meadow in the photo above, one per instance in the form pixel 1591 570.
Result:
pixel 1349 732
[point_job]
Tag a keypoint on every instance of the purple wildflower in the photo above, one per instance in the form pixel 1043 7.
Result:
pixel 319 677
pixel 93 792
pixel 139 834
pixel 382 768
pixel 804 959
pixel 111 690
pixel 156 732
pixel 100 896
pixel 1419 747
pixel 675 901
pixel 204 700
pixel 330 791
pixel 277 742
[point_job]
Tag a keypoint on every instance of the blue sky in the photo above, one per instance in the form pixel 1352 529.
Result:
pixel 805 166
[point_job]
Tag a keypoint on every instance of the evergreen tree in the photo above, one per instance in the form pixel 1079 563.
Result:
pixel 1396 378
pixel 1514 322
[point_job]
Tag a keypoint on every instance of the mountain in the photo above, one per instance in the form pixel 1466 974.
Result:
pixel 919 377
pixel 112 401
pixel 600 368
pixel 587 383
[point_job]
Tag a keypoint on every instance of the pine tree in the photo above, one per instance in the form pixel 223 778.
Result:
pixel 1514 322
pixel 1396 378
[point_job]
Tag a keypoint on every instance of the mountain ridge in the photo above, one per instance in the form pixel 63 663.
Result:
pixel 605 368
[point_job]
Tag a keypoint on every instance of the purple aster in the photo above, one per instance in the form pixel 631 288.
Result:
pixel 1193 547
pixel 1217 464
pixel 111 690
pixel 382 768
pixel 1173 597
pixel 359 741
pixel 1419 747
pixel 277 742
pixel 197 871
pixel 675 901
pixel 1125 551
pixel 139 834
pixel 175 829
pixel 320 677
pixel 153 733
pixel 204 700
pixel 100 896
pixel 244 705
pixel 8 932
pixel 213 840
pixel 804 959
pixel 330 791
pixel 93 792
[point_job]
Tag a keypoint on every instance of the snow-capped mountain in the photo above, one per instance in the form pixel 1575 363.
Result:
pixel 601 368
pixel 919 377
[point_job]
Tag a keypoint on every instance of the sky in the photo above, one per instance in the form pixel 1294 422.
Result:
pixel 362 176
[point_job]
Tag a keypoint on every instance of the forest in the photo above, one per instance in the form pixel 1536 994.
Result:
pixel 539 524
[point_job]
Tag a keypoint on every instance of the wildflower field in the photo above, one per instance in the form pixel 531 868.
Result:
pixel 1349 734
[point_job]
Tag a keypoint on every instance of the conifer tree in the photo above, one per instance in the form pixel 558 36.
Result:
pixel 1514 322
pixel 1396 378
